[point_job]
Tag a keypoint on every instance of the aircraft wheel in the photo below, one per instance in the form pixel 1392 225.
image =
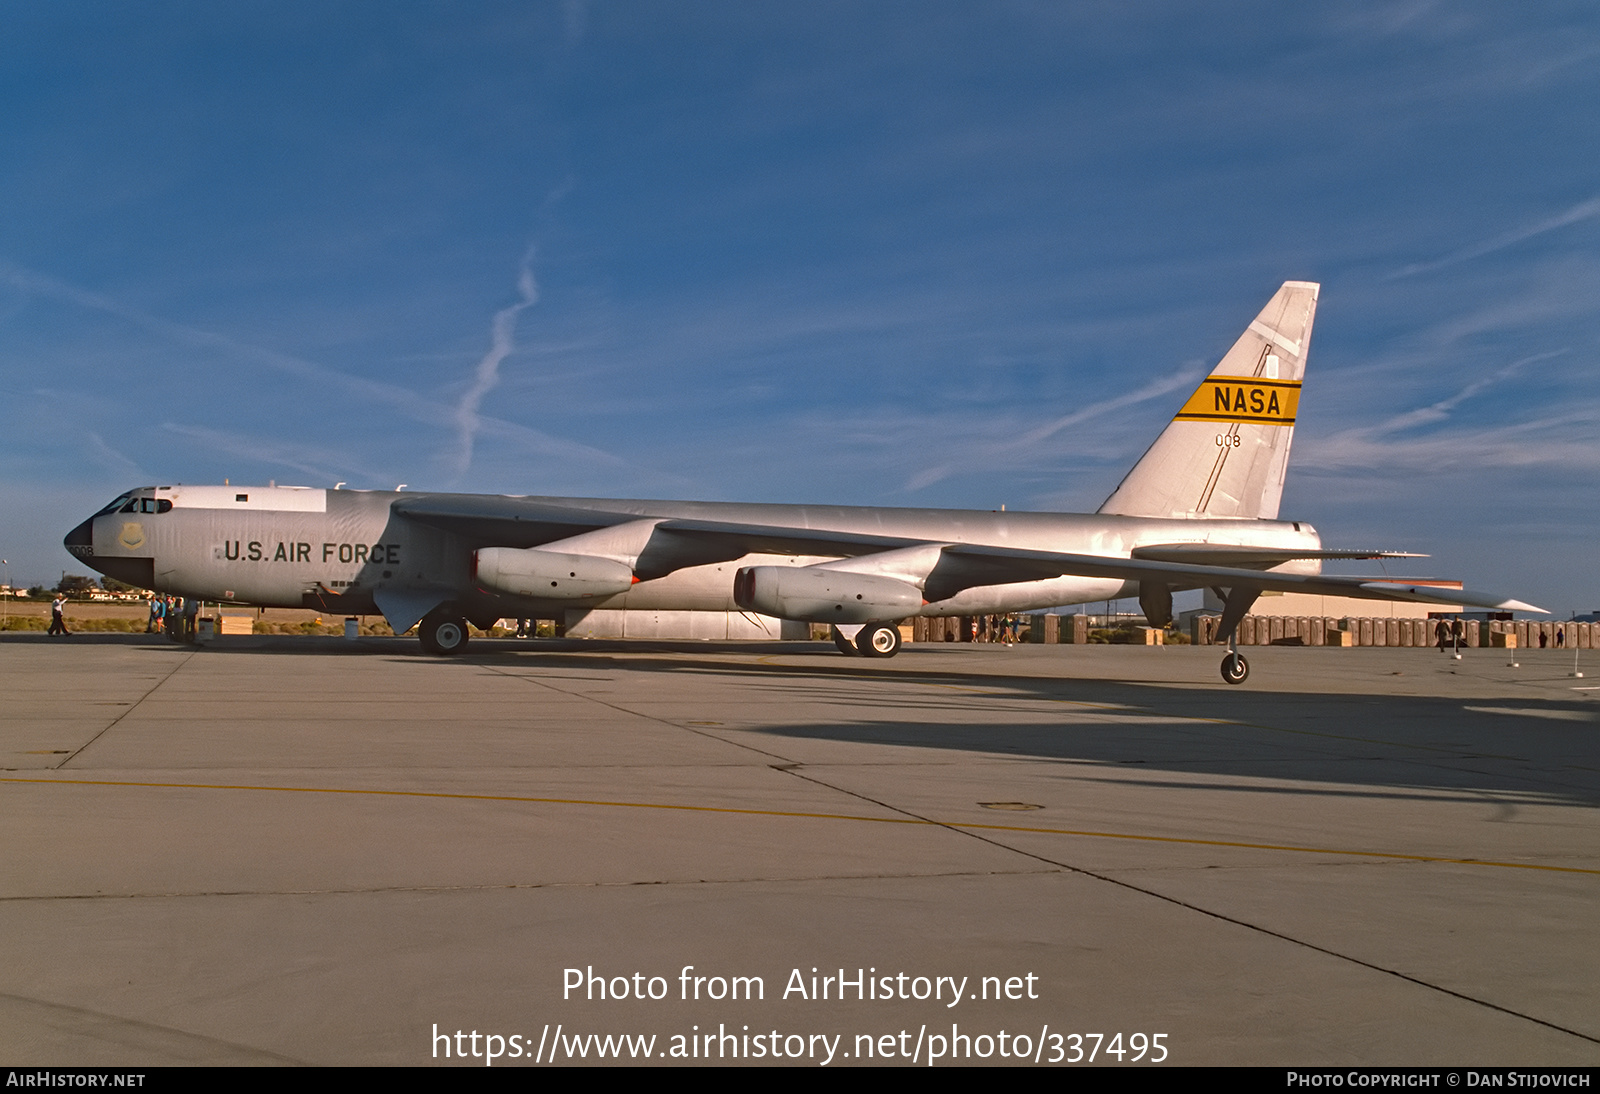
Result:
pixel 846 646
pixel 878 640
pixel 1235 669
pixel 443 634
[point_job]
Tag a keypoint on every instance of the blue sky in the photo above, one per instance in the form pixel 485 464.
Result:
pixel 885 254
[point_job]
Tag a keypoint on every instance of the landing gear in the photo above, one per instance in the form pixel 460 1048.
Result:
pixel 442 634
pixel 1235 669
pixel 1235 602
pixel 878 640
pixel 867 640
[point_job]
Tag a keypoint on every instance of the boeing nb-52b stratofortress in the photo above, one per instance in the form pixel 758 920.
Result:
pixel 1199 510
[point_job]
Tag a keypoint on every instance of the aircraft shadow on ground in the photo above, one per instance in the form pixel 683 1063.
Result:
pixel 1522 748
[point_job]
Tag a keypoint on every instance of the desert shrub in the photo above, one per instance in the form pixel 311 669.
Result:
pixel 26 623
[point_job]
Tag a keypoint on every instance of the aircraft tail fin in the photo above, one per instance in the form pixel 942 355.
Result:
pixel 1226 451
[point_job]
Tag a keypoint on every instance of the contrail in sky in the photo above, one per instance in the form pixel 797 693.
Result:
pixel 989 455
pixel 428 411
pixel 1584 210
pixel 487 375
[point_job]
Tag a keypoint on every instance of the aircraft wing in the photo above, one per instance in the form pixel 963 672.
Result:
pixel 1177 575
pixel 498 521
pixel 965 565
pixel 675 543
pixel 1251 558
pixel 668 544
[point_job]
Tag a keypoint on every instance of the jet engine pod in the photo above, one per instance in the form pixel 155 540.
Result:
pixel 550 575
pixel 819 595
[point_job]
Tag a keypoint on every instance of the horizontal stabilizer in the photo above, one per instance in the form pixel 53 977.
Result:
pixel 1398 590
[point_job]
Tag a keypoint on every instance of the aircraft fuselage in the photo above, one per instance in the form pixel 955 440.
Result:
pixel 343 550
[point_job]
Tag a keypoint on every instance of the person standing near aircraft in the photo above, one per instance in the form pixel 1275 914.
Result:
pixel 58 615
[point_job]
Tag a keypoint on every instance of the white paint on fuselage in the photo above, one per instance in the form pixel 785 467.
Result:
pixel 282 543
pixel 283 499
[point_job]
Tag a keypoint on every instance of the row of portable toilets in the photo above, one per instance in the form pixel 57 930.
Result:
pixel 1264 630
pixel 1286 630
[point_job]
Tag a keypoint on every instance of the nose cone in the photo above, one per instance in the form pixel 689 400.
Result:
pixel 80 541
pixel 138 572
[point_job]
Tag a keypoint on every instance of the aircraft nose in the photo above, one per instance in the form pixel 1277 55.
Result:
pixel 80 541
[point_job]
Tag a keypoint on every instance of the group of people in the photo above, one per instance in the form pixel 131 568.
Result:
pixel 1449 634
pixel 995 628
pixel 167 613
pixel 174 616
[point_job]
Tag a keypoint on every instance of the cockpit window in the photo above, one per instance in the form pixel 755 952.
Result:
pixel 146 505
pixel 114 506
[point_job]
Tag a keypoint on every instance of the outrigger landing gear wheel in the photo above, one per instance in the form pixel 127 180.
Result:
pixel 442 633
pixel 1235 669
pixel 878 640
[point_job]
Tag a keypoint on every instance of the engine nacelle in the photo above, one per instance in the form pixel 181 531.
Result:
pixel 550 575
pixel 817 595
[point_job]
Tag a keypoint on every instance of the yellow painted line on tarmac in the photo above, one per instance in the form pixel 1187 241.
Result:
pixel 931 823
